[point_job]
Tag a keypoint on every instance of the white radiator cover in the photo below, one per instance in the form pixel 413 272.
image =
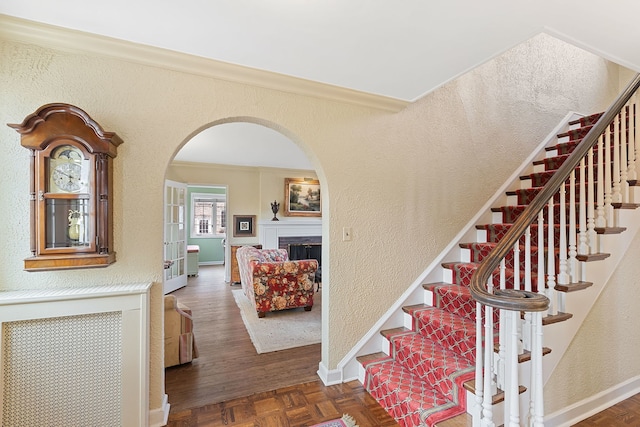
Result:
pixel 75 357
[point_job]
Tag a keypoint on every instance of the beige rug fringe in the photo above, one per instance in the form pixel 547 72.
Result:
pixel 349 421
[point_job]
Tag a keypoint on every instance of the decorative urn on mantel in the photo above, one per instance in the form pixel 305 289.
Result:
pixel 275 207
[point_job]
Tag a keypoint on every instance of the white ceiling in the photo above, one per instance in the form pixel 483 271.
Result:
pixel 244 144
pixel 396 49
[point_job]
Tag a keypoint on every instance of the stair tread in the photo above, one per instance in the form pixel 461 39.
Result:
pixel 572 287
pixel 556 318
pixel 497 398
pixel 372 356
pixel 392 331
pixel 610 230
pixel 593 257
pixel 421 402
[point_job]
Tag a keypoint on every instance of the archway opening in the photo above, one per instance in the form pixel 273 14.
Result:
pixel 250 159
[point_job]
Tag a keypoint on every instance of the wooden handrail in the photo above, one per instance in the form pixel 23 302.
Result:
pixel 518 300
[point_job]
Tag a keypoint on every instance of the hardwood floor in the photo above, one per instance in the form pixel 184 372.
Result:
pixel 270 389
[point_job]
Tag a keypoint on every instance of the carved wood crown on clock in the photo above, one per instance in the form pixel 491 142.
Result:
pixel 70 189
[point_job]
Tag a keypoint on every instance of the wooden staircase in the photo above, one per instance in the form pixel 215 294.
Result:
pixel 425 374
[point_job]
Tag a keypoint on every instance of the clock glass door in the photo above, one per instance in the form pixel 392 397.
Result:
pixel 68 223
pixel 175 236
pixel 66 201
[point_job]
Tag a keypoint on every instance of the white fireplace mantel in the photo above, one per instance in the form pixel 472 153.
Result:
pixel 272 231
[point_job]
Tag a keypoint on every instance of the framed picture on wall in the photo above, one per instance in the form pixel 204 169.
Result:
pixel 302 197
pixel 244 225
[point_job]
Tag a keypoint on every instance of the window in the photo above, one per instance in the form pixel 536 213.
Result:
pixel 208 215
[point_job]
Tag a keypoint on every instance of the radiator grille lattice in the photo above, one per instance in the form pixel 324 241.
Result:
pixel 63 371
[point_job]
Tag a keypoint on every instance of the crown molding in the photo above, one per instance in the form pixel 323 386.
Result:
pixel 269 169
pixel 59 38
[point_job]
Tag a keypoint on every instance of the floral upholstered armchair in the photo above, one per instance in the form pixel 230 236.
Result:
pixel 272 282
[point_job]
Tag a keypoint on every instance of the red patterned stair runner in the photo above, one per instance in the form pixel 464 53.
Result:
pixel 421 382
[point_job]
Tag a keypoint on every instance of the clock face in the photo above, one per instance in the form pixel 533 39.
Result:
pixel 67 177
pixel 68 170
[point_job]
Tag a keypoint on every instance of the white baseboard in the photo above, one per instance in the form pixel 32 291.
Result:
pixel 582 410
pixel 329 377
pixel 160 416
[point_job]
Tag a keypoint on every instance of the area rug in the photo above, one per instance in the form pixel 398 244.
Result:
pixel 280 330
pixel 345 421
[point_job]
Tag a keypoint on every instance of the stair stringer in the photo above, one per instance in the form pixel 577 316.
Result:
pixel 349 368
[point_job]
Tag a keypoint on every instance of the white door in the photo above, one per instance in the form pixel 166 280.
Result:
pixel 175 236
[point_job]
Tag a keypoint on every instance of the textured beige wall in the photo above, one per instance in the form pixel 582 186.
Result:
pixel 405 182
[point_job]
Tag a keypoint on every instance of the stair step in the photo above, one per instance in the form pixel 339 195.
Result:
pixel 586 120
pixel 463 271
pixel 432 286
pixel 480 250
pixel 572 287
pixel 592 257
pixel 526 355
pixel 610 230
pixel 405 396
pixel 495 232
pixel 373 356
pixel 625 205
pixel 556 318
pixel 497 398
pixel 442 368
pixel 388 333
pixel 576 134
pixel 454 332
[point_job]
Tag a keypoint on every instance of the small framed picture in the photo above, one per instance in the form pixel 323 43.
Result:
pixel 244 226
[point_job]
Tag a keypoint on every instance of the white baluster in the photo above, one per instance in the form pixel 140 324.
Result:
pixel 512 395
pixel 536 417
pixel 624 185
pixel 526 329
pixel 500 357
pixel 563 273
pixel 541 270
pixel 608 208
pixel 517 284
pixel 601 219
pixel 516 265
pixel 616 196
pixel 633 142
pixel 573 248
pixel 487 404
pixel 592 236
pixel 551 261
pixel 479 360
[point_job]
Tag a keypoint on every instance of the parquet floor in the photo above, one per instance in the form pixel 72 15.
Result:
pixel 301 405
pixel 623 414
pixel 268 390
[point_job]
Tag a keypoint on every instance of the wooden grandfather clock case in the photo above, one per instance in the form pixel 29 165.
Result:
pixel 71 195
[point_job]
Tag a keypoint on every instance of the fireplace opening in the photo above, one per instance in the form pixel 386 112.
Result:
pixel 304 248
pixel 299 251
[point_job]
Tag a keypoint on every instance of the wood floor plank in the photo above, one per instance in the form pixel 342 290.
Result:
pixel 228 366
